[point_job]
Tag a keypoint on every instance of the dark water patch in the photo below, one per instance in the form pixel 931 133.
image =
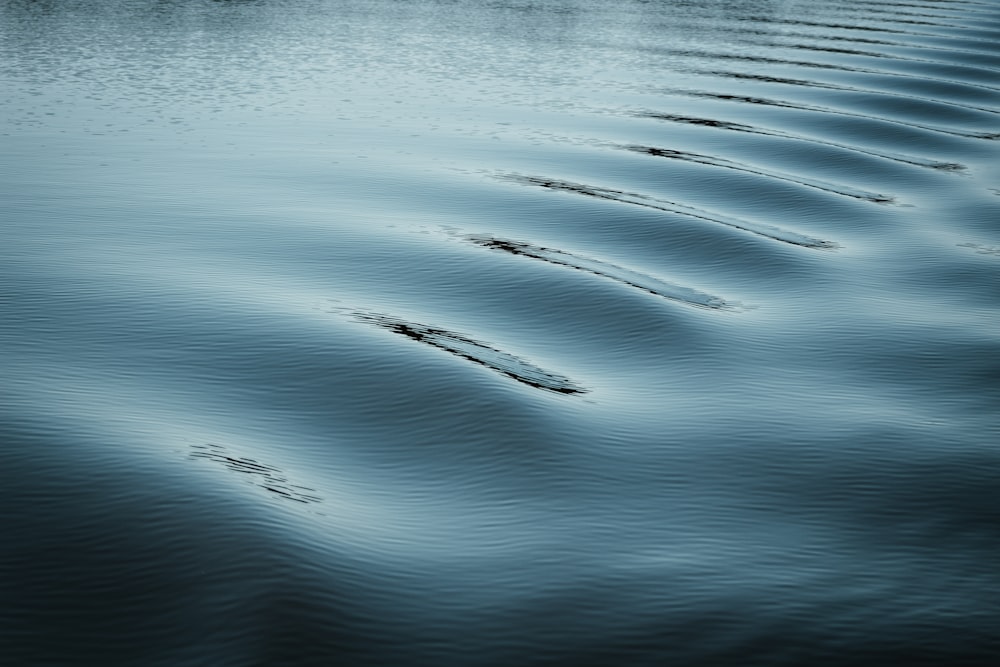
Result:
pixel 764 101
pixel 750 129
pixel 604 269
pixel 767 231
pixel 475 351
pixel 267 477
pixel 845 191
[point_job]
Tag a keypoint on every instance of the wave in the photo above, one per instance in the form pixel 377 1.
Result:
pixel 667 290
pixel 475 351
pixel 768 231
pixel 750 129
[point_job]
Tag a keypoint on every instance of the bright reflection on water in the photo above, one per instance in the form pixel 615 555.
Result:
pixel 499 333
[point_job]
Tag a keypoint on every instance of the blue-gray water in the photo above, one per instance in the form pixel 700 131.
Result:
pixel 488 333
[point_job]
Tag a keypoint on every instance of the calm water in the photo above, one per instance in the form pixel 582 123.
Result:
pixel 470 332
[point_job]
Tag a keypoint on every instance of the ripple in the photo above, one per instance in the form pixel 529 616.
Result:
pixel 475 351
pixel 697 158
pixel 687 295
pixel 763 101
pixel 265 476
pixel 768 231
pixel 750 129
pixel 806 83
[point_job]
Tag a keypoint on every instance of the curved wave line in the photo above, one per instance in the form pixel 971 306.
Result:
pixel 871 54
pixel 806 83
pixel 698 158
pixel 646 283
pixel 764 101
pixel 769 231
pixel 749 129
pixel 477 352
pixel 767 60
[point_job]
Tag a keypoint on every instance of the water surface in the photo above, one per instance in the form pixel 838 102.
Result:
pixel 561 332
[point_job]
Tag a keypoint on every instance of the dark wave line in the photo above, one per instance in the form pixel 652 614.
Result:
pixel 769 231
pixel 749 129
pixel 472 350
pixel 938 4
pixel 265 476
pixel 816 24
pixel 889 17
pixel 767 60
pixel 871 42
pixel 806 83
pixel 667 290
pixel 763 101
pixel 874 54
pixel 890 12
pixel 738 166
pixel 804 35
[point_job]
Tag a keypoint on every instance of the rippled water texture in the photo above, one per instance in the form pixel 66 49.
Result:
pixel 489 333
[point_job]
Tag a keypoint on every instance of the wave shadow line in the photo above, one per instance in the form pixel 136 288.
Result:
pixel 768 231
pixel 749 129
pixel 477 352
pixel 696 158
pixel 646 283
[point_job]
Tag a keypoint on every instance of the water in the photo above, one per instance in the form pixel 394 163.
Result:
pixel 563 332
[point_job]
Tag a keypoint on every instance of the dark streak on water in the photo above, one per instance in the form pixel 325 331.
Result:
pixel 769 231
pixel 729 164
pixel 267 477
pixel 476 352
pixel 740 127
pixel 628 277
pixel 366 332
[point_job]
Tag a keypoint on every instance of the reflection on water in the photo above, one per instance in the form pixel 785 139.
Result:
pixel 697 318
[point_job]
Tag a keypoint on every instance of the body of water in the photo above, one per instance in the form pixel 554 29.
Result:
pixel 489 333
